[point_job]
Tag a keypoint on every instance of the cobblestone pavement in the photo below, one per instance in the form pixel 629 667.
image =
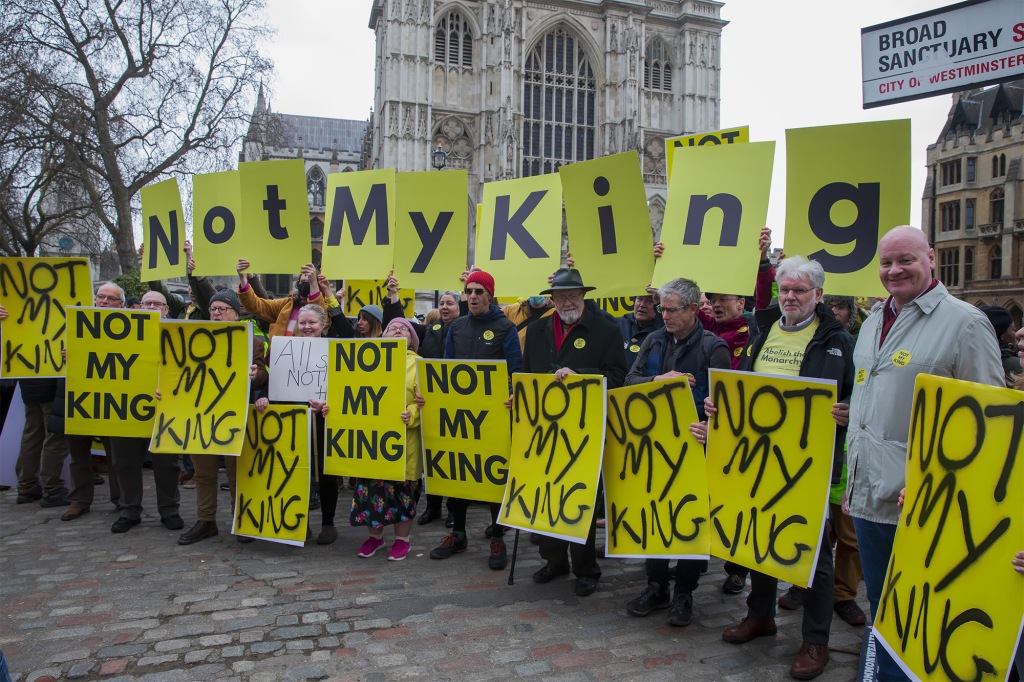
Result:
pixel 78 602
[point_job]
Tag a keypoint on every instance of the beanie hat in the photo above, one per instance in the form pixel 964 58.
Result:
pixel 228 296
pixel 373 311
pixel 483 279
pixel 848 302
pixel 414 338
pixel 999 317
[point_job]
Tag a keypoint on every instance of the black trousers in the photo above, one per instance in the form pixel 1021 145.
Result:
pixel 558 553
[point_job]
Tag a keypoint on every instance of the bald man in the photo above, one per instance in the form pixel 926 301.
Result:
pixel 920 328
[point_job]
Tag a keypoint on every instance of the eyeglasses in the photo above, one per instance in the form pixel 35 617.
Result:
pixel 220 308
pixel 153 304
pixel 475 292
pixel 566 298
pixel 670 309
pixel 783 291
pixel 722 299
pixel 104 297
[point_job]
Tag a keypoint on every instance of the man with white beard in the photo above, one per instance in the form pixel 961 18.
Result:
pixel 573 341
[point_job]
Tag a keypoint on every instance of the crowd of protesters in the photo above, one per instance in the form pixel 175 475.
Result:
pixel 677 330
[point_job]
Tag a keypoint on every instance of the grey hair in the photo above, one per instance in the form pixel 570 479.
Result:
pixel 454 294
pixel 314 308
pixel 686 289
pixel 798 267
pixel 116 286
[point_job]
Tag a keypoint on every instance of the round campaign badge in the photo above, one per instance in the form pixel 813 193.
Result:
pixel 738 352
pixel 579 343
pixel 901 358
pixel 488 335
pixel 634 348
pixel 436 326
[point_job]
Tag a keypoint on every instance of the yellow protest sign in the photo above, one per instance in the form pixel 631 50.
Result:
pixel 366 397
pixel 163 231
pixel 360 223
pixel 769 462
pixel 619 306
pixel 717 205
pixel 655 482
pixel 275 236
pixel 36 292
pixel 608 222
pixel 360 292
pixel 431 229
pixel 272 480
pixel 713 138
pixel 464 427
pixel 204 387
pixel 520 235
pixel 216 211
pixel 553 469
pixel 113 356
pixel 952 606
pixel 846 186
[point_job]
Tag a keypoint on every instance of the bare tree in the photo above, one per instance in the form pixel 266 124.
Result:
pixel 132 91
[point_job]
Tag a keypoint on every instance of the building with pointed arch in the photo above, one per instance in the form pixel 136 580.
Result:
pixel 973 203
pixel 325 145
pixel 515 88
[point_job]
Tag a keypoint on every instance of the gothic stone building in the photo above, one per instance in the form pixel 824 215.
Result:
pixel 973 204
pixel 515 88
pixel 326 145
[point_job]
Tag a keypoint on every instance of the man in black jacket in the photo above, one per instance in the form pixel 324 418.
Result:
pixel 484 334
pixel 681 348
pixel 573 341
pixel 801 337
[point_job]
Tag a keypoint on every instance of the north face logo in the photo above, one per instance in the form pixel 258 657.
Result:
pixel 835 351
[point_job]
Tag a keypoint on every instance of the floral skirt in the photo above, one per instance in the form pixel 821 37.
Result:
pixel 383 503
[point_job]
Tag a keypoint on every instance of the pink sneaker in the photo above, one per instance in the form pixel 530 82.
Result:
pixel 399 550
pixel 370 547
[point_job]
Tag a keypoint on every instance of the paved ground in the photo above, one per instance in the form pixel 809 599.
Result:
pixel 78 602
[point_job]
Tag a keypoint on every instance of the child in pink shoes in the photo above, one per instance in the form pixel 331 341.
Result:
pixel 378 503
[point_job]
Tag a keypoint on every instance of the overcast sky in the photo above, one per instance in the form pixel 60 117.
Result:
pixel 785 64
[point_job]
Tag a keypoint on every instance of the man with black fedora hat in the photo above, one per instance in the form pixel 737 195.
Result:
pixel 573 340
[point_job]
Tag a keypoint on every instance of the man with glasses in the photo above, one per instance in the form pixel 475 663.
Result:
pixel 484 334
pixel 682 348
pixel 800 337
pixel 108 295
pixel 128 455
pixel 573 340
pixel 224 307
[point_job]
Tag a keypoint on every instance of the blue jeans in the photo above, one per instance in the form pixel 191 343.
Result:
pixel 5 676
pixel 875 541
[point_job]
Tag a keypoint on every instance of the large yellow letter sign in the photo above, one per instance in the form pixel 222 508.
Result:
pixel 163 231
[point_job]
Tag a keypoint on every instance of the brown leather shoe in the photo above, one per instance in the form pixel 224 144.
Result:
pixel 73 512
pixel 810 661
pixel 200 531
pixel 750 628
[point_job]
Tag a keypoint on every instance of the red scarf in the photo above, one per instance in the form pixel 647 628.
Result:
pixel 560 331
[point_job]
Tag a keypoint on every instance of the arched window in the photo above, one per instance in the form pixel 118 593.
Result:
pixel 316 231
pixel 998 165
pixel 316 186
pixel 558 104
pixel 995 262
pixel 657 69
pixel 995 206
pixel 453 41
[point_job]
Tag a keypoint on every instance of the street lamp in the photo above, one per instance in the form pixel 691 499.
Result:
pixel 439 157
